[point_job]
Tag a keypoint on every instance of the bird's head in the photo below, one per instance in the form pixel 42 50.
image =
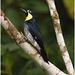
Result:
pixel 29 14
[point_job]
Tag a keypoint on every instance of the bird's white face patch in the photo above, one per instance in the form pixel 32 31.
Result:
pixel 29 17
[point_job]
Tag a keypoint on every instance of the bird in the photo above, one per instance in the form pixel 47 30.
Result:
pixel 33 34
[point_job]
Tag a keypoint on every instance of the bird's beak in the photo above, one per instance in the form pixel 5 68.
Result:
pixel 23 10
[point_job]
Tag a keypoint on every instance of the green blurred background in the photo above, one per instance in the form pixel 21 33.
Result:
pixel 14 60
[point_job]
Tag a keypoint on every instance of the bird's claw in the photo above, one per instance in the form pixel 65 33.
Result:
pixel 23 36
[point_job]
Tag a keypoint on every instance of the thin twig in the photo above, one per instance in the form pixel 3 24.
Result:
pixel 59 36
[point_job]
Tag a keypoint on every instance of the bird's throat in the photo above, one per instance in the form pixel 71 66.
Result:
pixel 29 17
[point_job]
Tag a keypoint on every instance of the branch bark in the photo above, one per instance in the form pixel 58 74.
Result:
pixel 59 36
pixel 50 69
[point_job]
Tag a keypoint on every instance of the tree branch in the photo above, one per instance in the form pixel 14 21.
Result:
pixel 59 36
pixel 13 32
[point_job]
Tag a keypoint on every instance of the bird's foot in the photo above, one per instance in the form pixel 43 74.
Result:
pixel 24 37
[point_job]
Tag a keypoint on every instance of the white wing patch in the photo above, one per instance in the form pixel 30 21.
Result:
pixel 35 37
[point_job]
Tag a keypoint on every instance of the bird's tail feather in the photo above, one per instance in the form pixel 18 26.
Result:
pixel 44 56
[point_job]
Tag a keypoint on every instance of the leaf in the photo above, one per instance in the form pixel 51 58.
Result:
pixel 36 71
pixel 8 60
pixel 3 49
pixel 25 67
pixel 12 46
pixel 35 4
pixel 23 54
pixel 4 72
pixel 69 4
pixel 8 1
pixel 70 45
pixel 13 15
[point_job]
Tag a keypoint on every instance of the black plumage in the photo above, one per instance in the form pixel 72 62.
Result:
pixel 33 34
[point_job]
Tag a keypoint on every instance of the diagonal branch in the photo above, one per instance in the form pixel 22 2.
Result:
pixel 59 36
pixel 50 69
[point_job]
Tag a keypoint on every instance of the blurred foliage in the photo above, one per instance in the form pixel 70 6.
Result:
pixel 14 60
pixel 69 4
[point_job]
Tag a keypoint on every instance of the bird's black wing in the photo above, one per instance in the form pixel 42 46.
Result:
pixel 35 32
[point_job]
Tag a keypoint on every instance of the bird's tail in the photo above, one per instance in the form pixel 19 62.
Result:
pixel 44 56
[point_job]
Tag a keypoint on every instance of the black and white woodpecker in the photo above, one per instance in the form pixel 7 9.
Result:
pixel 33 34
